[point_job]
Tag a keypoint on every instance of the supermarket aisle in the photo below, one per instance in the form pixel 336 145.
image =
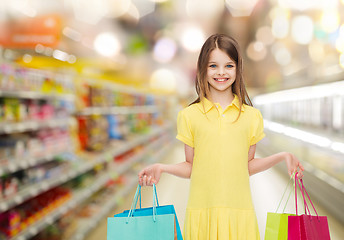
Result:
pixel 267 188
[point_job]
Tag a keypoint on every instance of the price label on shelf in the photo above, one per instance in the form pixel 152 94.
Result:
pixel 18 199
pixel 33 231
pixel 3 206
pixel 34 192
pixel 108 156
pixel 12 167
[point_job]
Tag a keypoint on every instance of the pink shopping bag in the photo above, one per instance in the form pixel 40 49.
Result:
pixel 306 226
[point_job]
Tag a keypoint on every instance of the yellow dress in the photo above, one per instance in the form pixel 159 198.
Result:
pixel 220 205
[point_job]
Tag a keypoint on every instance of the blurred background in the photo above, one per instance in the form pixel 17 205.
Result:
pixel 90 91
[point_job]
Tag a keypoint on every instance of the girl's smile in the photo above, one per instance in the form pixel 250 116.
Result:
pixel 221 79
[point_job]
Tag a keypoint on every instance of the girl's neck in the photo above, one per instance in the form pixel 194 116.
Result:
pixel 223 98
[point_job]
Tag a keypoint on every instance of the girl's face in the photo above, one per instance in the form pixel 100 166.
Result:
pixel 221 71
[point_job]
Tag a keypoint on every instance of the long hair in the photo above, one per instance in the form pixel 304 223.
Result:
pixel 231 47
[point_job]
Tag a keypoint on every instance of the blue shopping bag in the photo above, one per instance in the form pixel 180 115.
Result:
pixel 154 223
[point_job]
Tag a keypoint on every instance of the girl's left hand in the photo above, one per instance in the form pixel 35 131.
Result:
pixel 294 165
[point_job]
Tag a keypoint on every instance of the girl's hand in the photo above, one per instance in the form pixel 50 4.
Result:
pixel 150 175
pixel 294 165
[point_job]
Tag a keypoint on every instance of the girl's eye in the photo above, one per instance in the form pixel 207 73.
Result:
pixel 212 65
pixel 229 66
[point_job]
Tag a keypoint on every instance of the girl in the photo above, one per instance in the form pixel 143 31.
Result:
pixel 220 131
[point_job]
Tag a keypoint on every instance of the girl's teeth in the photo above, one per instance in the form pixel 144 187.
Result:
pixel 221 80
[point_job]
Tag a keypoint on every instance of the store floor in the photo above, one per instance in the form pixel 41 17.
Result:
pixel 267 189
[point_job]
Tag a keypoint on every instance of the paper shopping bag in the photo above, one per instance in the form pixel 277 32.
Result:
pixel 277 223
pixel 160 210
pixel 155 223
pixel 276 226
pixel 306 226
pixel 141 227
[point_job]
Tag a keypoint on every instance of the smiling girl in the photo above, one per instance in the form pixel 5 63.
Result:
pixel 220 130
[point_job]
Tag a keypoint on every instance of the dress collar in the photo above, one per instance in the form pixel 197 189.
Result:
pixel 209 105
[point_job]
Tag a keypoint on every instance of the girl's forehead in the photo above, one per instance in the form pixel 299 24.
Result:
pixel 218 54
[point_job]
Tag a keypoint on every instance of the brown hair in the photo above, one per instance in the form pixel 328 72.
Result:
pixel 231 47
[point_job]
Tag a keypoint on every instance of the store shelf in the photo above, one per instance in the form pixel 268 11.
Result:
pixel 89 225
pixel 81 195
pixel 14 165
pixel 7 128
pixel 36 95
pixel 325 177
pixel 309 135
pixel 77 198
pixel 118 110
pixel 45 185
pixel 315 139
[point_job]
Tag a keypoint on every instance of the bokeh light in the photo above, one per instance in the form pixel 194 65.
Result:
pixel 341 60
pixel 204 9
pixel 192 38
pixel 163 79
pixel 164 50
pixel 316 51
pixel 144 7
pixel 281 54
pixel 340 40
pixel 134 12
pixel 256 51
pixel 60 55
pixel 71 59
pixel 107 44
pixel 280 27
pixel 239 8
pixel 302 29
pixel 89 11
pixel 264 35
pixel 118 7
pixel 330 20
pixel 27 58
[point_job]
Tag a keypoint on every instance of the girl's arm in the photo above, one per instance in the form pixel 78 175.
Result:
pixel 152 173
pixel 256 165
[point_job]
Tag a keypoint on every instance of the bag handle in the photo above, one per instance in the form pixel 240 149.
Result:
pixel 134 203
pixel 285 190
pixel 303 187
pixel 297 183
pixel 303 190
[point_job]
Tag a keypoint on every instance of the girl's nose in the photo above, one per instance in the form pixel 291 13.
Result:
pixel 220 71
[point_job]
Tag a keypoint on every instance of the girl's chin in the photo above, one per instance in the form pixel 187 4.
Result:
pixel 221 88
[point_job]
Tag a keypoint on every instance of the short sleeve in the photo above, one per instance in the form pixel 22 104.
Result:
pixel 184 131
pixel 257 129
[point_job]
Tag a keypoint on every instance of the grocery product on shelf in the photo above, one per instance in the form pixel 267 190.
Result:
pixel 16 78
pixel 65 143
pixel 22 216
pixel 21 110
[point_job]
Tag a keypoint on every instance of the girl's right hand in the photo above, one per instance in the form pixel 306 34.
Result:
pixel 150 175
pixel 294 165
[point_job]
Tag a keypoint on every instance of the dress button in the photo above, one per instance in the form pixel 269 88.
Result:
pixel 223 115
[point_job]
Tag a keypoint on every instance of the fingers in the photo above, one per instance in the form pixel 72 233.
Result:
pixel 299 175
pixel 301 167
pixel 147 180
pixel 141 173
